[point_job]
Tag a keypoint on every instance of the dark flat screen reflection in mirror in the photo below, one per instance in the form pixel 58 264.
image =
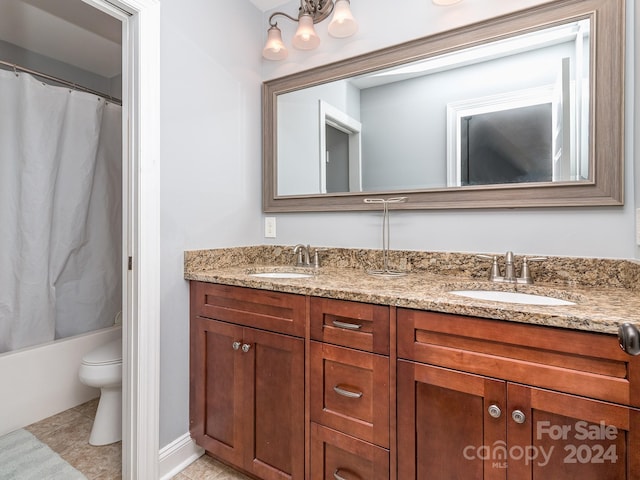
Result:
pixel 513 110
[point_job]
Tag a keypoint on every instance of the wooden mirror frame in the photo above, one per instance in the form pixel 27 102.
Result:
pixel 606 115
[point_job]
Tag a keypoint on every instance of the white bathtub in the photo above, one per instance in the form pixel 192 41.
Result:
pixel 40 381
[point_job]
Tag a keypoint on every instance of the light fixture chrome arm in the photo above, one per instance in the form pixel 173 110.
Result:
pixel 319 10
pixel 275 14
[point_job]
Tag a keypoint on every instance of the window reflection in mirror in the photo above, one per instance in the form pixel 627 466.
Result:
pixel 510 111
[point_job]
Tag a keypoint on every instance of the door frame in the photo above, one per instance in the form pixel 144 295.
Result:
pixel 141 232
pixel 333 116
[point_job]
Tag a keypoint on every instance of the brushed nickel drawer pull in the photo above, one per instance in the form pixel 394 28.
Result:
pixel 337 476
pixel 346 326
pixel 346 393
pixel 236 345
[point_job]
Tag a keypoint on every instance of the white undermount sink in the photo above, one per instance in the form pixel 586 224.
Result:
pixel 512 297
pixel 281 275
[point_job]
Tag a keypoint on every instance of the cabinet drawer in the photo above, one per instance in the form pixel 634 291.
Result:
pixel 351 324
pixel 335 455
pixel 581 363
pixel 350 392
pixel 274 311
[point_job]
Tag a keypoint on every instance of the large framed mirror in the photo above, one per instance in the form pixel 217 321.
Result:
pixel 522 110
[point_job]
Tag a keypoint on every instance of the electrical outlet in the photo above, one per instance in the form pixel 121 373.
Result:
pixel 638 226
pixel 270 227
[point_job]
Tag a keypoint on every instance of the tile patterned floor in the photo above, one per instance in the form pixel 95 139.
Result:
pixel 67 433
pixel 206 468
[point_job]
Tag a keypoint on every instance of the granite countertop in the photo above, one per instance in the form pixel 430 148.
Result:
pixel 599 307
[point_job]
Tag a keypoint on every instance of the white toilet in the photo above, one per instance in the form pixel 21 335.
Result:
pixel 102 368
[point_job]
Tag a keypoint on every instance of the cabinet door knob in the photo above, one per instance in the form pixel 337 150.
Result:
pixel 518 416
pixel 236 345
pixel 629 338
pixel 346 393
pixel 494 411
pixel 246 347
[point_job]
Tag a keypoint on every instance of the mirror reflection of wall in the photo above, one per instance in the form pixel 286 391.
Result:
pixel 301 159
pixel 403 112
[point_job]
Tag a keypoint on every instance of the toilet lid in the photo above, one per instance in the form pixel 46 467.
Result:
pixel 107 354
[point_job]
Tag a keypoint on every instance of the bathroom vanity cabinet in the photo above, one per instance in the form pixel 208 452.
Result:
pixel 350 390
pixel 476 396
pixel 296 386
pixel 247 378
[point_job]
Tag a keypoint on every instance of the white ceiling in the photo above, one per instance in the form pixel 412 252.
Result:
pixel 67 30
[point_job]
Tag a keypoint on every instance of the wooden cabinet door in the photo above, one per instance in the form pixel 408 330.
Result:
pixel 445 424
pixel 446 430
pixel 570 438
pixel 247 399
pixel 274 400
pixel 217 392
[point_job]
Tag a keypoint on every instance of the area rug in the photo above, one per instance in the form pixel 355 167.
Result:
pixel 24 457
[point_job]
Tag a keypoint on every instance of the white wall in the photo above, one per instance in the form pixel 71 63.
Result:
pixel 210 165
pixel 594 232
pixel 211 162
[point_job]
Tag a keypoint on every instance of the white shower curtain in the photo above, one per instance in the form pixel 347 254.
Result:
pixel 60 212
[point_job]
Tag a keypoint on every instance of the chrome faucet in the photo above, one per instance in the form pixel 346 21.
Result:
pixel 510 270
pixel 303 255
pixel 302 252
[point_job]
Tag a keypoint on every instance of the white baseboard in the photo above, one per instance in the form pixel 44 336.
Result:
pixel 177 456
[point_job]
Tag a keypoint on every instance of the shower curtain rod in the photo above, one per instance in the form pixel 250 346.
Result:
pixel 67 83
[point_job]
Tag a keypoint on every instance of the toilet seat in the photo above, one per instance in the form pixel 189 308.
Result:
pixel 108 354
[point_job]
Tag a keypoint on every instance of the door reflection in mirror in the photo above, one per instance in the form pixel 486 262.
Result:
pixel 337 160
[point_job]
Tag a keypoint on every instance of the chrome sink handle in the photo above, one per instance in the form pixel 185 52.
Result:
pixel 316 256
pixel 494 273
pixel 525 273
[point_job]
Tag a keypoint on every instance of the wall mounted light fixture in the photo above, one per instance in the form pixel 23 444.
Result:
pixel 310 12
